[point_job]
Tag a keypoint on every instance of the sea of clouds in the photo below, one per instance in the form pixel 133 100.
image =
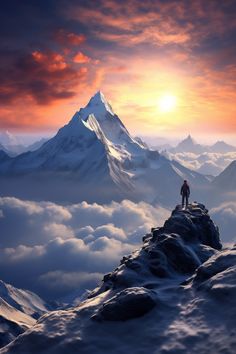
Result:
pixel 54 250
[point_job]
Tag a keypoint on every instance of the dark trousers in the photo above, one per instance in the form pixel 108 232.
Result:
pixel 184 197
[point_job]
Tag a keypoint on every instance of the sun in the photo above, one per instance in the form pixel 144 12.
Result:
pixel 167 103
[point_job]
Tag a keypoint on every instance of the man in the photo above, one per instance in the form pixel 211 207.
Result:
pixel 185 192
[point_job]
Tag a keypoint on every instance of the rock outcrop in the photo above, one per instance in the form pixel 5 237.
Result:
pixel 186 240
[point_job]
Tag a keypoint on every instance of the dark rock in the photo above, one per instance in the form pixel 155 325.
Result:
pixel 107 277
pixel 194 225
pixel 127 304
pixel 147 237
pixel 133 264
pixel 158 263
pixel 180 256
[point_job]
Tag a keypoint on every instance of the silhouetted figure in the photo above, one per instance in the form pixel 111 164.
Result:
pixel 185 192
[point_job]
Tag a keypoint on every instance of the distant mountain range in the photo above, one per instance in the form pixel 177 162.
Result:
pixel 209 160
pixel 190 145
pixel 95 158
pixel 13 146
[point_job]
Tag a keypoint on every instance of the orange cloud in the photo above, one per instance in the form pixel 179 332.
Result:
pixel 129 25
pixel 81 58
pixel 43 77
pixel 53 61
pixel 159 23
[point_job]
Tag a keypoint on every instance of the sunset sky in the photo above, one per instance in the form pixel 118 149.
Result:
pixel 55 54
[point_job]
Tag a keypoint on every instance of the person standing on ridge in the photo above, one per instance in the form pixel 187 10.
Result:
pixel 185 192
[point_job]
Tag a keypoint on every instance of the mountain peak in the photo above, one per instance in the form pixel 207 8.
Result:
pixel 8 139
pixel 99 96
pixel 189 139
pixel 187 142
pixel 99 102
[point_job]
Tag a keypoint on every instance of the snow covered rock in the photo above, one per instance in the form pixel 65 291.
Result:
pixel 193 224
pixel 129 303
pixel 174 295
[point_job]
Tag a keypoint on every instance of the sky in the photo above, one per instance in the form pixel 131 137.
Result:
pixel 168 68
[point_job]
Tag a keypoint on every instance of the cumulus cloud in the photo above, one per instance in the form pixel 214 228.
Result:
pixel 29 223
pixel 225 216
pixel 54 249
pixel 81 58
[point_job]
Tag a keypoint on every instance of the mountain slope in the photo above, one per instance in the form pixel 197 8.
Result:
pixel 36 145
pixel 174 295
pixel 3 154
pixel 95 158
pixel 226 181
pixel 19 310
pixel 222 147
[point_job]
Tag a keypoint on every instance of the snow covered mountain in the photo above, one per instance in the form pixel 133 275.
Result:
pixel 19 310
pixel 222 147
pixel 8 139
pixel 36 145
pixel 13 146
pixel 4 152
pixel 190 145
pixel 209 160
pixel 226 181
pixel 11 143
pixel 174 295
pixel 95 158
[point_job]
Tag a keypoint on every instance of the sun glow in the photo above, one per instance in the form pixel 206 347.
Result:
pixel 167 103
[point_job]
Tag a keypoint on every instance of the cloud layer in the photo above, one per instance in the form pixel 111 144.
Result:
pixel 208 163
pixel 46 245
pixel 225 216
pixel 56 250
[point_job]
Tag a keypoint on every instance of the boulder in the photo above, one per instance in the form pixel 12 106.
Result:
pixel 127 304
